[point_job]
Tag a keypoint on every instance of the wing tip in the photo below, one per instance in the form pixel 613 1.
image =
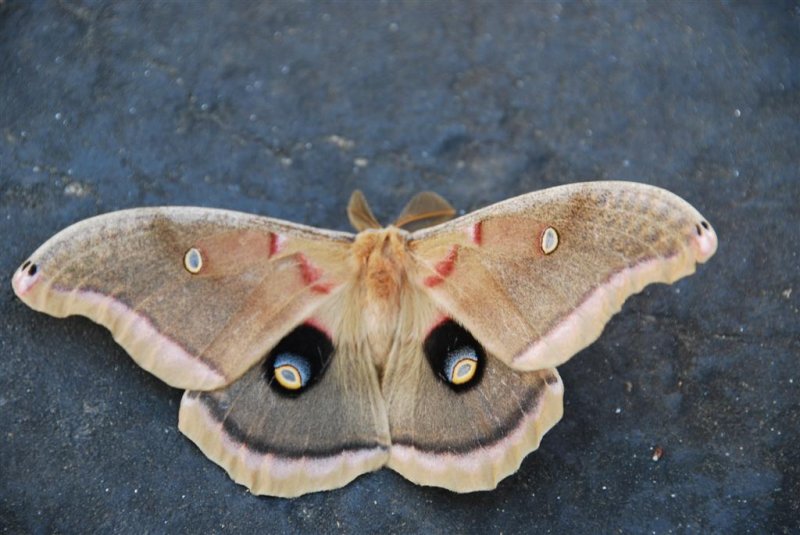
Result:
pixel 25 283
pixel 704 242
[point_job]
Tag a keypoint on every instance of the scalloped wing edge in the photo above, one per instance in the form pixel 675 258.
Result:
pixel 271 474
pixel 483 469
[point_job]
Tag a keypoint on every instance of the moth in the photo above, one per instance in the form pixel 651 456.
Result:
pixel 310 357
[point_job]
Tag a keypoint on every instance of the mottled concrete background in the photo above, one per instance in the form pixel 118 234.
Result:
pixel 283 108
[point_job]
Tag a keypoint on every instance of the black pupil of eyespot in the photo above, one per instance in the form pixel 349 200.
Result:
pixel 306 344
pixel 446 341
pixel 32 270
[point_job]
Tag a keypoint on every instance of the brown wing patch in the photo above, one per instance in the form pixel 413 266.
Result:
pixel 284 442
pixel 461 436
pixel 473 441
pixel 127 271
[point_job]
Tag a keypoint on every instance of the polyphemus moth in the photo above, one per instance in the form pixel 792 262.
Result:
pixel 310 357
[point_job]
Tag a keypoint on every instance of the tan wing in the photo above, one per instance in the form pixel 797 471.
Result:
pixel 463 436
pixel 196 296
pixel 536 278
pixel 284 442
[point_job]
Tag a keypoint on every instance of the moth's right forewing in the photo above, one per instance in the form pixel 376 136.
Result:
pixel 536 278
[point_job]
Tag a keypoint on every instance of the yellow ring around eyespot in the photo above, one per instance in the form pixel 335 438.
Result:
pixel 193 261
pixel 466 376
pixel 295 383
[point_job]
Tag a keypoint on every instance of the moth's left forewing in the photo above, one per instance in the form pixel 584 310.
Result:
pixel 536 278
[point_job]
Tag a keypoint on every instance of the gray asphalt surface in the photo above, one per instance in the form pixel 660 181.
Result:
pixel 283 108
